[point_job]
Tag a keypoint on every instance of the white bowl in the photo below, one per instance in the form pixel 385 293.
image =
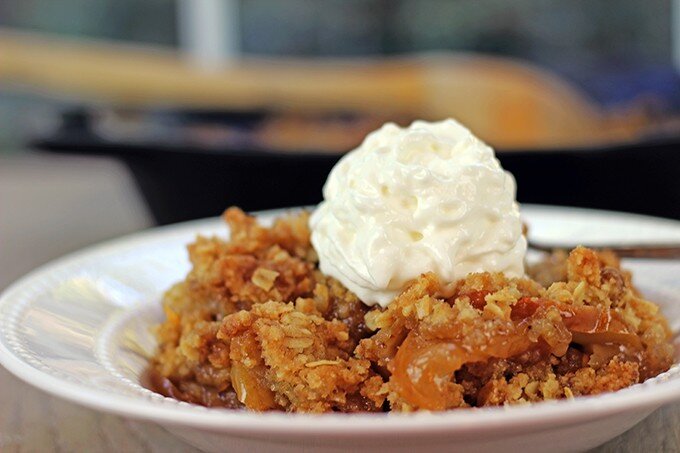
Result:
pixel 79 328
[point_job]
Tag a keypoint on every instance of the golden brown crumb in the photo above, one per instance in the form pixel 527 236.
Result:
pixel 256 324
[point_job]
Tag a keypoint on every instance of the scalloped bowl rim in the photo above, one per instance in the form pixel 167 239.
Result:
pixel 647 395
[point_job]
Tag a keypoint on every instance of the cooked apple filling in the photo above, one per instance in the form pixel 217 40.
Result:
pixel 255 324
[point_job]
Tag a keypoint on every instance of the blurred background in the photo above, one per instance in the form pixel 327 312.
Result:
pixel 116 115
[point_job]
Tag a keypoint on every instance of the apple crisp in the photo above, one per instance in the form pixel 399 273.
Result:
pixel 255 324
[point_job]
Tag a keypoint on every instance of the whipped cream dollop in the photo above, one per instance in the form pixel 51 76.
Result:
pixel 431 197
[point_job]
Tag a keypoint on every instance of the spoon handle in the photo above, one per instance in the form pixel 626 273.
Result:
pixel 658 251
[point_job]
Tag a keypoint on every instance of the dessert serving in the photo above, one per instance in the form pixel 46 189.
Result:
pixel 405 290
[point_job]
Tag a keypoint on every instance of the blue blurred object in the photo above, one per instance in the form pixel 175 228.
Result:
pixel 656 87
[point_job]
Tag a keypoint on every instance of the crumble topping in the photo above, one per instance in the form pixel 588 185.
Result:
pixel 255 324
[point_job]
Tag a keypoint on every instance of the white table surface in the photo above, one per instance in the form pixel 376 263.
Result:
pixel 51 205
